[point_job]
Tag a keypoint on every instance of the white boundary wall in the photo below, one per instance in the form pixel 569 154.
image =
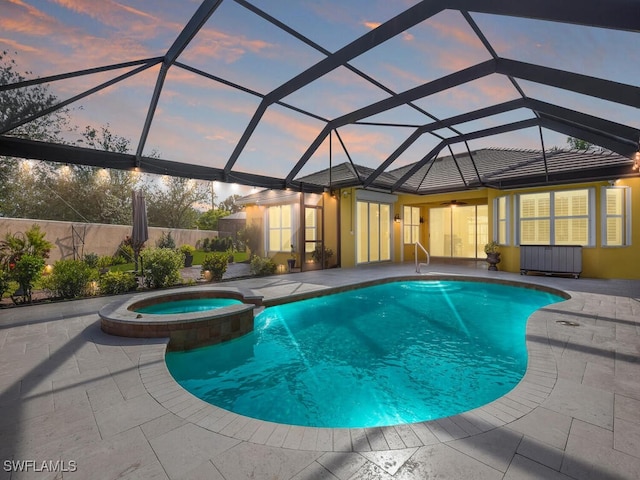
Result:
pixel 98 238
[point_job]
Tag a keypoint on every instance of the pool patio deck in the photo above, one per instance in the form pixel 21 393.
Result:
pixel 107 404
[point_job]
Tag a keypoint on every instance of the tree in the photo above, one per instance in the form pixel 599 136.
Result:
pixel 230 204
pixel 171 205
pixel 209 219
pixel 579 144
pixel 18 104
pixel 74 193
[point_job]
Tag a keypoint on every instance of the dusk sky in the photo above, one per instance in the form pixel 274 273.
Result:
pixel 200 121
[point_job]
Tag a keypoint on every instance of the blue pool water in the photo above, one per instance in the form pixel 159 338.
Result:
pixel 395 353
pixel 187 306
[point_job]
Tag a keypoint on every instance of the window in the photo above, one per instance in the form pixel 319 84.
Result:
pixel 411 217
pixel 310 229
pixel 616 218
pixel 280 234
pixel 556 218
pixel 501 224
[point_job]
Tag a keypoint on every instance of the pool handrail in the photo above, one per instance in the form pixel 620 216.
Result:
pixel 415 255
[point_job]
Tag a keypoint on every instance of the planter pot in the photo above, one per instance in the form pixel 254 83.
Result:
pixel 291 262
pixel 493 259
pixel 188 260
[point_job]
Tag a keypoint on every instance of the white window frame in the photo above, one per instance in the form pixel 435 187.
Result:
pixel 591 216
pixel 498 218
pixel 269 229
pixel 625 216
pixel 412 222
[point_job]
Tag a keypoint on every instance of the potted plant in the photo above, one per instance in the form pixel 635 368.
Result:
pixel 187 251
pixel 322 253
pixel 493 254
pixel 292 261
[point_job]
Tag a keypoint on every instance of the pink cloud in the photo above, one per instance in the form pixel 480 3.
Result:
pixel 122 17
pixel 216 44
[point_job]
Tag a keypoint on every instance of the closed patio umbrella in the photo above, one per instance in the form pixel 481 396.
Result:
pixel 140 233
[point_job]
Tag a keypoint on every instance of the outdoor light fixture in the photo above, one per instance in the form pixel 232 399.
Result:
pixel 396 218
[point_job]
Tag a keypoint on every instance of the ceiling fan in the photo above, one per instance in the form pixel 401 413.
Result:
pixel 453 203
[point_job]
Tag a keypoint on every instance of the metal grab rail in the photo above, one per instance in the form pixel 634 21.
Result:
pixel 415 255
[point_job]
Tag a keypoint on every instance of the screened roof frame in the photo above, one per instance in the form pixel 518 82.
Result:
pixel 619 138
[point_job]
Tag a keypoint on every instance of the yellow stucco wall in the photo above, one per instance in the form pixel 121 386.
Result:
pixel 330 205
pixel 347 199
pixel 598 261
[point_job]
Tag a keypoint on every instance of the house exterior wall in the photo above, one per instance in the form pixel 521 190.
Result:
pixel 598 261
pixel 99 238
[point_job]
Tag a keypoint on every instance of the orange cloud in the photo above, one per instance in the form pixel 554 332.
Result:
pixel 371 25
pixel 17 46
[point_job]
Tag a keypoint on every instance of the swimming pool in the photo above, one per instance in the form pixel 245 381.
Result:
pixel 187 305
pixel 395 353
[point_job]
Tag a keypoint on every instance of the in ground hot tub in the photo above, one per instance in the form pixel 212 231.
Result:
pixel 179 316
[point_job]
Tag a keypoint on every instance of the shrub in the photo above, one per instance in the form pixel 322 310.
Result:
pixel 114 283
pixel 221 244
pixel 32 242
pixel 26 272
pixel 216 263
pixel 70 279
pixel 187 249
pixel 105 261
pixel 118 260
pixel 4 282
pixel 262 266
pixel 166 241
pixel 91 259
pixel 205 244
pixel 125 252
pixel 161 267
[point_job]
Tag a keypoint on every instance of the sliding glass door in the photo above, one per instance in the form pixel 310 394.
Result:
pixel 373 234
pixel 458 232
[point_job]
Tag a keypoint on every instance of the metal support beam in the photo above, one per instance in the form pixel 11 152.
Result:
pixel 616 14
pixel 466 117
pixel 604 127
pixel 623 148
pixel 574 82
pixel 196 22
pixel 429 157
pixel 78 73
pixel 463 138
pixel 31 149
pixel 69 101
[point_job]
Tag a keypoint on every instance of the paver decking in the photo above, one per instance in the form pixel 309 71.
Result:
pixel 106 406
